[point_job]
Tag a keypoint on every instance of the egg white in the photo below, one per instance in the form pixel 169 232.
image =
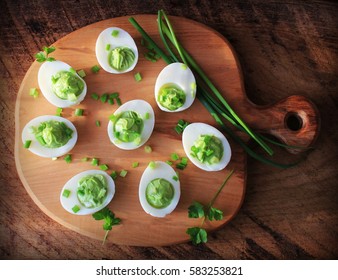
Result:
pixel 49 69
pixel 37 148
pixel 191 134
pixel 161 170
pixel 122 40
pixel 142 108
pixel 72 184
pixel 181 75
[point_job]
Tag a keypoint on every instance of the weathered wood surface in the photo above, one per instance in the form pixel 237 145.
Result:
pixel 284 49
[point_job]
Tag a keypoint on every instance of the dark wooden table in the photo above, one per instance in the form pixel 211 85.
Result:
pixel 285 48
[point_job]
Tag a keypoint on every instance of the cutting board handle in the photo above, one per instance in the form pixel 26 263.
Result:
pixel 294 120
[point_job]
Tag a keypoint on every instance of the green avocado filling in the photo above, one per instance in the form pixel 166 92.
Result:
pixel 128 127
pixel 121 58
pixel 92 190
pixel 171 97
pixel 159 193
pixel 52 134
pixel 207 149
pixel 67 85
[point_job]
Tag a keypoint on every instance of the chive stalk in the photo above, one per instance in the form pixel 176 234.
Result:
pixel 81 73
pixel 207 100
pixel 27 144
pixel 123 173
pixel 95 68
pixel 78 112
pixel 95 96
pixel 68 158
pixel 187 59
pixel 138 77
pixel 58 112
pixel 113 175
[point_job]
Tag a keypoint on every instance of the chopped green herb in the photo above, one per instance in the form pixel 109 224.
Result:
pixel 184 66
pixel 175 178
pixel 84 159
pixel 34 92
pixel 197 210
pixel 27 144
pixel 95 162
pixel 115 33
pixel 76 208
pixel 114 95
pixel 104 167
pixel 118 101
pixel 78 112
pixel 169 162
pixel 113 175
pixel 174 156
pixel 152 164
pixel 66 193
pixel 197 235
pixel 149 56
pixel 111 101
pixel 123 173
pixel 95 68
pixel 58 112
pixel 184 160
pixel 135 164
pixel 68 158
pixel 98 123
pixel 147 116
pixel 43 55
pixel 180 126
pixel 104 97
pixel 81 73
pixel 138 77
pixel 94 96
pixel 107 47
pixel 109 220
pixel 215 214
pixel 181 166
pixel 148 149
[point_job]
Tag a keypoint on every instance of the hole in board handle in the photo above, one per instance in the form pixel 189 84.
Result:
pixel 293 121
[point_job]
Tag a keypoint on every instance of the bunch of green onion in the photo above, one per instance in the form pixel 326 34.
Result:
pixel 207 93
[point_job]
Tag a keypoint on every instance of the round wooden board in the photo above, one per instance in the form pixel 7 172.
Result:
pixel 44 178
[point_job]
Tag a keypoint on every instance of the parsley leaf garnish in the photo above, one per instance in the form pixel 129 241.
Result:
pixel 215 214
pixel 43 55
pixel 109 220
pixel 197 235
pixel 197 210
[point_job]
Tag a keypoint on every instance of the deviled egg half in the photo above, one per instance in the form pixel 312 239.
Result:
pixel 206 146
pixel 116 50
pixel 87 192
pixel 131 125
pixel 159 189
pixel 49 136
pixel 60 84
pixel 175 88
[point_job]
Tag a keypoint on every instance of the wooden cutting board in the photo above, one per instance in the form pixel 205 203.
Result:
pixel 44 178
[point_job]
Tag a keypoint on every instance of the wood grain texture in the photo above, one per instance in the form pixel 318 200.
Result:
pixel 285 48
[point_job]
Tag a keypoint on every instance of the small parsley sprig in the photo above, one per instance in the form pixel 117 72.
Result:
pixel 43 55
pixel 197 210
pixel 109 220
